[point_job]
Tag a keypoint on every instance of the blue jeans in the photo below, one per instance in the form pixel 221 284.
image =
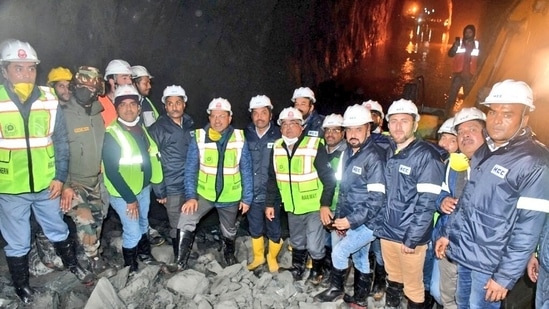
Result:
pixel 435 281
pixel 470 290
pixel 542 292
pixel 376 249
pixel 356 243
pixel 132 230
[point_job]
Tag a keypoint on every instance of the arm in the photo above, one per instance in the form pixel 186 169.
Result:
pixel 61 147
pixel 111 158
pixel 326 175
pixel 452 51
pixel 191 170
pixel 155 131
pixel 246 172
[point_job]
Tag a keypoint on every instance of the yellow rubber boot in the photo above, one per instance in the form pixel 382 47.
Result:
pixel 258 247
pixel 274 250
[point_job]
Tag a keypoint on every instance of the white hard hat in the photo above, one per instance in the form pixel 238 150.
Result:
pixel 139 71
pixel 332 120
pixel 447 127
pixel 403 106
pixel 374 106
pixel 174 91
pixel 290 113
pixel 466 114
pixel 260 101
pixel 18 51
pixel 125 91
pixel 220 104
pixel 304 92
pixel 356 115
pixel 511 91
pixel 117 66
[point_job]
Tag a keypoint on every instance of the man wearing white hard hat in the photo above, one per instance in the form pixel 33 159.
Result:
pixel 377 115
pixel 34 163
pixel 361 196
pixel 218 174
pixel 447 136
pixel 173 133
pixel 118 72
pixel 301 175
pixel 414 174
pixel 141 79
pixel 497 222
pixel 304 100
pixel 261 134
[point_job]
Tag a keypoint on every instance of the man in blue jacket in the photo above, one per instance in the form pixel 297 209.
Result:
pixel 304 100
pixel 538 269
pixel 495 227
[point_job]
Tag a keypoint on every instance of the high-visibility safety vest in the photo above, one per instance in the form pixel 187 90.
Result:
pixel 459 58
pixel 131 160
pixel 207 173
pixel 27 161
pixel 296 176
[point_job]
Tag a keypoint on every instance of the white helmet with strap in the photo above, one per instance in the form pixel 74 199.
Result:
pixel 466 114
pixel 174 91
pixel 304 92
pixel 356 115
pixel 17 51
pixel 290 113
pixel 511 91
pixel 117 66
pixel 403 106
pixel 260 101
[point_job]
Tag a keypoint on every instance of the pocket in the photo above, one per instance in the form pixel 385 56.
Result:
pixel 490 228
pixel 307 186
pixel 6 166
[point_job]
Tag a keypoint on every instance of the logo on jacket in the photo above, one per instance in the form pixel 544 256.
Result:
pixel 499 171
pixel 406 170
pixel 313 133
pixel 270 145
pixel 357 170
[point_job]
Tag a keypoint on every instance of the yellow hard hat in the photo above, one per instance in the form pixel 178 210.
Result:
pixel 59 74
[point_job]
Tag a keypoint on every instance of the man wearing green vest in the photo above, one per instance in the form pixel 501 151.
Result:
pixel 34 157
pixel 218 174
pixel 131 164
pixel 141 79
pixel 301 175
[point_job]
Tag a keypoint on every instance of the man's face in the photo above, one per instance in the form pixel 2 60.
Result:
pixel 144 85
pixel 291 128
pixel 357 135
pixel 305 106
pixel 448 142
pixel 468 34
pixel 123 79
pixel 128 110
pixel 376 117
pixel 175 107
pixel 402 127
pixel 62 90
pixel 333 135
pixel 220 120
pixel 261 117
pixel 20 72
pixel 503 121
pixel 470 137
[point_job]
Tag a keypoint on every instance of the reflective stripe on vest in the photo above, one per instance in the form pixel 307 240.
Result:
pixel 461 49
pixel 14 141
pixel 209 158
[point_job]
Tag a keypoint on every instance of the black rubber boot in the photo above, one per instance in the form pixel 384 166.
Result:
pixel 66 251
pixel 19 270
pixel 413 305
pixel 393 295
pixel 378 290
pixel 429 300
pixel 298 264
pixel 130 258
pixel 336 289
pixel 175 246
pixel 361 287
pixel 228 251
pixel 317 272
pixel 185 245
pixel 144 251
pixel 101 268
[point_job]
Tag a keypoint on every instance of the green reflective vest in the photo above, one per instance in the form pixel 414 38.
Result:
pixel 207 173
pixel 131 159
pixel 336 165
pixel 296 176
pixel 23 171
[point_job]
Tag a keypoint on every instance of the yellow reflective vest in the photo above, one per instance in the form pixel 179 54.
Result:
pixel 27 161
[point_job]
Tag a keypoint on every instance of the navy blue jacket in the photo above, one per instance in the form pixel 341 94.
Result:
pixel 448 190
pixel 543 253
pixel 313 125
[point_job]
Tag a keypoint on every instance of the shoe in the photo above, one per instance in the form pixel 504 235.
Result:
pixel 317 272
pixel 66 251
pixel 19 270
pixel 185 245
pixel 130 258
pixel 298 263
pixel 378 289
pixel 272 255
pixel 361 287
pixel 258 248
pixel 228 251
pixel 144 251
pixel 336 289
pixel 100 268
pixel 155 239
pixel 393 294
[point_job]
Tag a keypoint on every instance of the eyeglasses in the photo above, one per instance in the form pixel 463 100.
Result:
pixel 332 130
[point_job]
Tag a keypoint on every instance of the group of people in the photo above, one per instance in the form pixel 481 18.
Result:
pixel 476 200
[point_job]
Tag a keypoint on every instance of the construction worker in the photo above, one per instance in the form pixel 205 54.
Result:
pixel 131 164
pixel 59 79
pixel 301 175
pixel 377 115
pixel 82 196
pixel 361 197
pixel 118 72
pixel 218 174
pixel 304 100
pixel 447 136
pixel 261 135
pixel 172 132
pixel 35 154
pixel 142 81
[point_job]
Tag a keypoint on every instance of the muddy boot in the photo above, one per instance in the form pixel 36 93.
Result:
pixel 393 294
pixel 186 240
pixel 361 287
pixel 47 254
pixel 154 237
pixel 130 258
pixel 317 272
pixel 66 252
pixel 258 249
pixel 336 289
pixel 100 267
pixel 228 251
pixel 144 251
pixel 378 289
pixel 298 263
pixel 19 270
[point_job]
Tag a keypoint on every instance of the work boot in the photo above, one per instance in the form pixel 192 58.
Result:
pixel 144 251
pixel 228 251
pixel 414 305
pixel 185 245
pixel 67 253
pixel 379 282
pixel 361 287
pixel 101 268
pixel 130 258
pixel 298 263
pixel 317 272
pixel 429 300
pixel 258 248
pixel 19 270
pixel 274 250
pixel 336 289
pixel 393 294
pixel 154 237
pixel 327 262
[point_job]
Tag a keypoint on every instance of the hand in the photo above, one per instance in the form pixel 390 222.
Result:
pixel 533 269
pixel 189 207
pixel 494 291
pixel 448 205
pixel 243 207
pixel 162 200
pixel 55 189
pixel 342 224
pixel 440 247
pixel 132 210
pixel 406 250
pixel 269 213
pixel 66 199
pixel 326 215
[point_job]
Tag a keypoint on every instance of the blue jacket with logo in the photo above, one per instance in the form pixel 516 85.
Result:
pixel 313 125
